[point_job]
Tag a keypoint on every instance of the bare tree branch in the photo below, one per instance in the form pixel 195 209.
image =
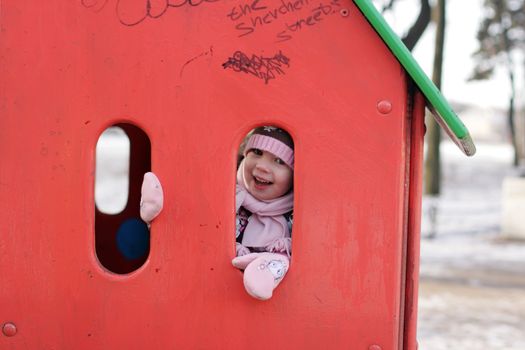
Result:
pixel 416 31
pixel 388 6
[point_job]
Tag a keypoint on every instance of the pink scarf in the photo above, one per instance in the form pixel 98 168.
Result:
pixel 267 227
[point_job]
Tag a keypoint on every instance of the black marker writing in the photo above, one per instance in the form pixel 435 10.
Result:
pixel 315 17
pixel 264 68
pixel 133 12
pixel 255 14
pixel 242 10
pixel 94 5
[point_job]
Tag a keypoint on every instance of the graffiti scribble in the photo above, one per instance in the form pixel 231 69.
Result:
pixel 316 15
pixel 253 15
pixel 265 68
pixel 94 5
pixel 133 12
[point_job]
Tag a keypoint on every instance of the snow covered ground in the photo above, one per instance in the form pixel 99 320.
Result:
pixel 472 287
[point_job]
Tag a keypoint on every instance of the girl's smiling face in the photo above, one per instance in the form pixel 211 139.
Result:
pixel 266 176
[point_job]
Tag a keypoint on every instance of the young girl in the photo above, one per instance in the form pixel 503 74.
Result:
pixel 264 204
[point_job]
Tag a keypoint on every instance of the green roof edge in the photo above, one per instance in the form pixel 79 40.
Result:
pixel 438 104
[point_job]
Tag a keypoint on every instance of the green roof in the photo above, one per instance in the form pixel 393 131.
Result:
pixel 436 103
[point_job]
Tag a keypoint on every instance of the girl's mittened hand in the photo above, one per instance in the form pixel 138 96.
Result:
pixel 241 262
pixel 264 273
pixel 241 250
pixel 152 199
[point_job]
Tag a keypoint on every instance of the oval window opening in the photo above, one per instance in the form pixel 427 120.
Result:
pixel 112 171
pixel 123 156
pixel 264 199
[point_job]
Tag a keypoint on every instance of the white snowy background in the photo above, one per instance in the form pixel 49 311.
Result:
pixel 472 282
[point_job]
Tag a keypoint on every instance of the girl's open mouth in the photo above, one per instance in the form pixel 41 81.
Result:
pixel 261 182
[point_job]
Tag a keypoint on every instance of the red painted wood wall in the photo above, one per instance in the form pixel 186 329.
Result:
pixel 196 76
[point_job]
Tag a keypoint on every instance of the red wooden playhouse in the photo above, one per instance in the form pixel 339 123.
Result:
pixel 186 80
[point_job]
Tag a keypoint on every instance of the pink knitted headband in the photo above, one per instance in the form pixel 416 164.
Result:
pixel 272 145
